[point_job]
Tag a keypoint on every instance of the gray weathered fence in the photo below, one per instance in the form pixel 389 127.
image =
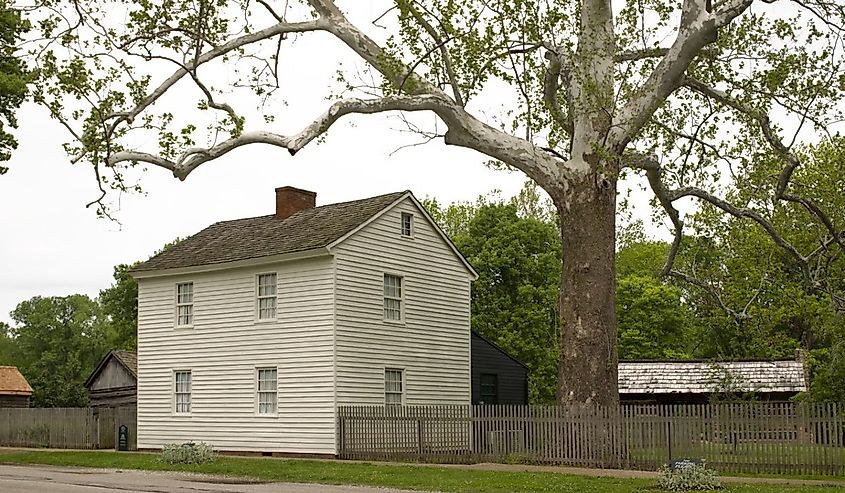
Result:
pixel 744 437
pixel 60 427
pixel 66 427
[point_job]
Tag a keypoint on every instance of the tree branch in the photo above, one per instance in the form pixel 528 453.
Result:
pixel 769 134
pixel 698 28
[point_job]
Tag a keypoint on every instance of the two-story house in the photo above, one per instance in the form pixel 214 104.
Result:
pixel 253 331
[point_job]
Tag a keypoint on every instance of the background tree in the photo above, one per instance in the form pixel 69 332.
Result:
pixel 119 303
pixel 59 340
pixel 652 319
pixel 585 97
pixel 8 348
pixel 13 77
pixel 517 260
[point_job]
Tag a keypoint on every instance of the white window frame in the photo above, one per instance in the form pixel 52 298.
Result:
pixel 411 225
pixel 180 304
pixel 176 392
pixel 400 298
pixel 258 391
pixel 259 297
pixel 402 386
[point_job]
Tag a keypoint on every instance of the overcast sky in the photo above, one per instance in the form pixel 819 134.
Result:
pixel 51 245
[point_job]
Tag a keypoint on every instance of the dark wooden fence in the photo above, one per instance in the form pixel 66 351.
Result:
pixel 738 438
pixel 65 427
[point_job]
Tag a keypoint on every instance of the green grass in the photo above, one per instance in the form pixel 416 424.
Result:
pixel 413 477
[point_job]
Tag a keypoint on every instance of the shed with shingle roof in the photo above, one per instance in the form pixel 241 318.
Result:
pixel 114 381
pixel 698 381
pixel 14 389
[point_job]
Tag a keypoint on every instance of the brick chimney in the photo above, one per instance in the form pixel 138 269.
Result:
pixel 290 200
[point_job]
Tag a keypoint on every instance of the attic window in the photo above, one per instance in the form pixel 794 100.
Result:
pixel 407 224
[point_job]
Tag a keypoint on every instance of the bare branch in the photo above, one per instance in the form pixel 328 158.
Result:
pixel 651 166
pixel 551 86
pixel 792 160
pixel 440 44
pixel 712 292
pixel 698 27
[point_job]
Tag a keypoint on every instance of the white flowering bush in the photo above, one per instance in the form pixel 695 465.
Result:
pixel 188 453
pixel 692 477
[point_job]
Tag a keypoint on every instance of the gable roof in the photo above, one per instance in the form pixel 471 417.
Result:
pixel 243 239
pixel 498 348
pixel 701 377
pixel 127 359
pixel 12 382
pixel 266 236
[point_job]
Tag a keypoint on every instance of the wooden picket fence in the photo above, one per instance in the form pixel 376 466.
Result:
pixel 59 427
pixel 738 438
pixel 66 427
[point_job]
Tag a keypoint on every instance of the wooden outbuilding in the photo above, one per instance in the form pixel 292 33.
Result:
pixel 14 389
pixel 114 382
pixel 497 377
pixel 698 382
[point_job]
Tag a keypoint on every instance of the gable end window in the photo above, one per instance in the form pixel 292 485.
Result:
pixel 489 388
pixel 267 390
pixel 185 304
pixel 392 297
pixel 407 224
pixel 266 302
pixel 393 387
pixel 182 391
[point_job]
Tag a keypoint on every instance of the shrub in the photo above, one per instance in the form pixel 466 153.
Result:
pixel 693 477
pixel 187 453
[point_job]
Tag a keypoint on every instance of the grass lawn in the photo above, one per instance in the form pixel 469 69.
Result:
pixel 385 475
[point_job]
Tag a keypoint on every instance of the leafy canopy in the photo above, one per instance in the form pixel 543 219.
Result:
pixel 14 77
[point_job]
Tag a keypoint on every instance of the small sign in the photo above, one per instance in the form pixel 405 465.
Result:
pixel 685 463
pixel 123 438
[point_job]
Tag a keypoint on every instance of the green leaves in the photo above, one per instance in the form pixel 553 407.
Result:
pixel 59 340
pixel 14 77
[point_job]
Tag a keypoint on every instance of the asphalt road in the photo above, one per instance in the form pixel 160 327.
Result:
pixel 46 479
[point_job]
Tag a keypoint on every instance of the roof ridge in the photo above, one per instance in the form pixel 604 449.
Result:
pixel 264 236
pixel 345 202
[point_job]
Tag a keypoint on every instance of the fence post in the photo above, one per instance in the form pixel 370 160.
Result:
pixel 669 436
pixel 419 437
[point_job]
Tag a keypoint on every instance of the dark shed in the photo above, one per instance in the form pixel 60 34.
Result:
pixel 497 377
pixel 114 382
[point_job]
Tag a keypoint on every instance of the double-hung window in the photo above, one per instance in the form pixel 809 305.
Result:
pixel 267 386
pixel 407 224
pixel 392 297
pixel 182 391
pixel 185 304
pixel 266 296
pixel 393 387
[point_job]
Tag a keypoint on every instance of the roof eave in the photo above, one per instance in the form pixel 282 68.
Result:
pixel 237 264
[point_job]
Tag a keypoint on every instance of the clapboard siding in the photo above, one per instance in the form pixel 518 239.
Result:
pixel 432 346
pixel 223 349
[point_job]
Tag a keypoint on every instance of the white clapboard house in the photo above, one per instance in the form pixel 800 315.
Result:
pixel 252 332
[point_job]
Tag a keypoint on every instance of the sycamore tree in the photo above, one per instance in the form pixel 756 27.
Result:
pixel 691 94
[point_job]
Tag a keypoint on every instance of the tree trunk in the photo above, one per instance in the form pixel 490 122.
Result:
pixel 588 366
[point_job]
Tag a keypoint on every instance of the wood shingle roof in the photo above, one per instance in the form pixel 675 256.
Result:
pixel 701 377
pixel 12 382
pixel 244 239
